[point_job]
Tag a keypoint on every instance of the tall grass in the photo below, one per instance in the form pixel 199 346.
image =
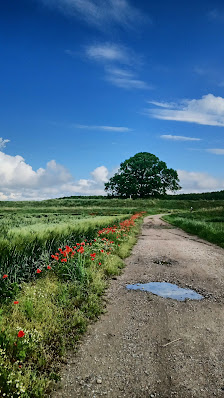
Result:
pixel 23 248
pixel 207 224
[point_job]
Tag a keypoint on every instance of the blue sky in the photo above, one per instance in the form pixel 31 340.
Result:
pixel 85 84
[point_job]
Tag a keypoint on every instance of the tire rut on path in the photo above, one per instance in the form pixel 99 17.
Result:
pixel 148 346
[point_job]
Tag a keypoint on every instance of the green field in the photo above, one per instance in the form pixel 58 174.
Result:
pixel 31 231
pixel 46 303
pixel 205 223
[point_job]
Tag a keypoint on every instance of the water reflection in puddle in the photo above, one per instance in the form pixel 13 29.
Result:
pixel 167 290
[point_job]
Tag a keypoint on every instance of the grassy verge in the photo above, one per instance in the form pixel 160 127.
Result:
pixel 51 313
pixel 24 248
pixel 207 224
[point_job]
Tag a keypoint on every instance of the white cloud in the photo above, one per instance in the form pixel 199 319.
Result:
pixel 104 128
pixel 100 174
pixel 108 52
pixel 100 13
pixel 216 151
pixel 120 72
pixel 178 138
pixel 196 182
pixel 162 104
pixel 3 143
pixel 125 79
pixel 128 83
pixel 112 54
pixel 209 110
pixel 18 180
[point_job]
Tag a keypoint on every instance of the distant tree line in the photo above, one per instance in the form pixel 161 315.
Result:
pixel 219 195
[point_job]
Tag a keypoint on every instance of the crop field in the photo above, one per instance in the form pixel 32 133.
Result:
pixel 56 258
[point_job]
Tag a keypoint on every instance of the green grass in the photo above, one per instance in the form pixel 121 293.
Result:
pixel 53 313
pixel 24 248
pixel 205 223
pixel 56 305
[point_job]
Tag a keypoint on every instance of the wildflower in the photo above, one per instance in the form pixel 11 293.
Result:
pixel 48 267
pixel 55 257
pixel 102 251
pixel 67 249
pixel 38 270
pixel 21 333
pixel 15 302
pixel 5 276
pixel 64 260
pixel 100 264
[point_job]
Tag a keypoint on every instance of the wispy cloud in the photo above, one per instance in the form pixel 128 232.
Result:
pixel 216 15
pixel 125 79
pixel 178 138
pixel 209 110
pixel 100 13
pixel 216 151
pixel 103 128
pixel 108 52
pixel 117 61
pixel 128 83
pixel 162 104
pixel 3 143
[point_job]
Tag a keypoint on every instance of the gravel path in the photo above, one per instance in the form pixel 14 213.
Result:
pixel 126 353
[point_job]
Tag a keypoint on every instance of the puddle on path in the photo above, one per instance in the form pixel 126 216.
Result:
pixel 167 290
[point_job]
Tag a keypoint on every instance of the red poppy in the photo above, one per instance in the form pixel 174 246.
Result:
pixel 102 251
pixel 5 276
pixel 48 267
pixel 55 257
pixel 99 263
pixel 64 260
pixel 16 302
pixel 21 333
pixel 38 271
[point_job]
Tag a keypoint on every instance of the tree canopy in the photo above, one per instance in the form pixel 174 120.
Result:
pixel 142 176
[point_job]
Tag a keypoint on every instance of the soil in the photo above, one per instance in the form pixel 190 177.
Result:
pixel 148 346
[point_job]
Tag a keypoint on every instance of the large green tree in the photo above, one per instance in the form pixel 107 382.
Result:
pixel 142 176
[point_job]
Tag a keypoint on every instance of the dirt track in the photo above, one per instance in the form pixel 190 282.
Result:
pixel 125 353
